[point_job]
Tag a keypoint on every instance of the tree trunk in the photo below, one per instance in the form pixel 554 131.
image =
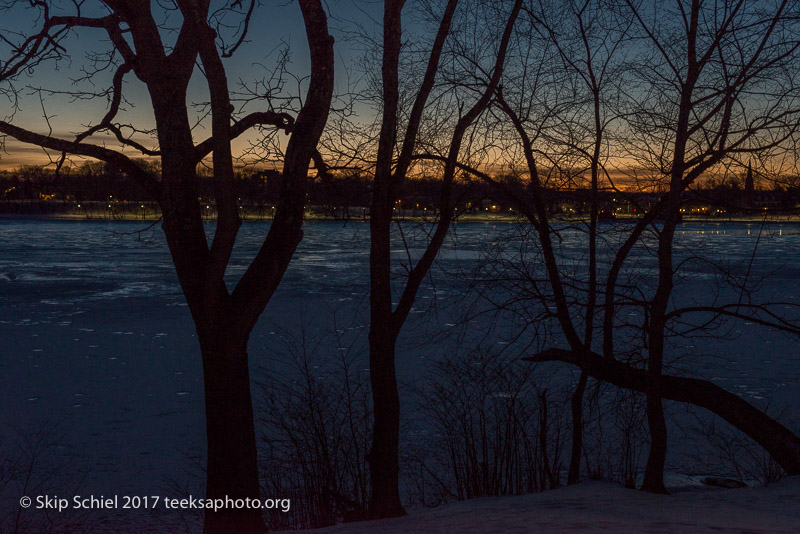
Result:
pixel 656 458
pixel 383 458
pixel 232 453
pixel 657 455
pixel 577 430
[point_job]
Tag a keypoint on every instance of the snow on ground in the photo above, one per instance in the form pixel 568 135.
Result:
pixel 604 507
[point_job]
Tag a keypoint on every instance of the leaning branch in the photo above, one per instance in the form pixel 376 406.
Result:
pixel 145 179
pixel 779 441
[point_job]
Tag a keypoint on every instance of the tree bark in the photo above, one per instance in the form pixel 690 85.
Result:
pixel 657 456
pixel 232 453
pixel 782 444
pixel 384 457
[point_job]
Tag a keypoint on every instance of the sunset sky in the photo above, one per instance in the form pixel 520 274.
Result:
pixel 274 27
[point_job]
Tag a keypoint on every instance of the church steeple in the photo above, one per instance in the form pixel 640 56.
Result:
pixel 749 186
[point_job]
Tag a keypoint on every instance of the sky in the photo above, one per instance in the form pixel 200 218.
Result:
pixel 275 26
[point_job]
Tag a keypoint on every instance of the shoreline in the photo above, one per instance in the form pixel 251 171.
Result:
pixel 311 216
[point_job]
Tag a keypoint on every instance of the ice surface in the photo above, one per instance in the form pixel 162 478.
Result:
pixel 96 340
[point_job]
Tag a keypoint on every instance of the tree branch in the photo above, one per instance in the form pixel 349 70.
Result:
pixel 147 180
pixel 779 441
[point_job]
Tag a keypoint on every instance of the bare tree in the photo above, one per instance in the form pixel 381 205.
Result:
pixel 711 85
pixel 223 318
pixel 419 106
pixel 588 46
pixel 717 70
pixel 392 164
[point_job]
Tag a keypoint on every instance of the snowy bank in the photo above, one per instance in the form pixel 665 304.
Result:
pixel 605 507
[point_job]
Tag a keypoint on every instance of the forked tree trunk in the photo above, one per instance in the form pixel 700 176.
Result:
pixel 386 321
pixel 166 72
pixel 383 457
pixel 232 455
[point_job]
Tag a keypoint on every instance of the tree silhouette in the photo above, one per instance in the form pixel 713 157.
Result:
pixel 707 87
pixel 223 318
pixel 406 111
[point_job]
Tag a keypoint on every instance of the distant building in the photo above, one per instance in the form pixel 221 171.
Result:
pixel 749 187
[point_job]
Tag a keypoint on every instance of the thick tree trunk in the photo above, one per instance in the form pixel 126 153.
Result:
pixel 657 424
pixel 782 444
pixel 384 457
pixel 656 458
pixel 232 454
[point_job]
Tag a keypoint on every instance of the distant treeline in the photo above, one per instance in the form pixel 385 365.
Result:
pixel 333 195
pixel 251 188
